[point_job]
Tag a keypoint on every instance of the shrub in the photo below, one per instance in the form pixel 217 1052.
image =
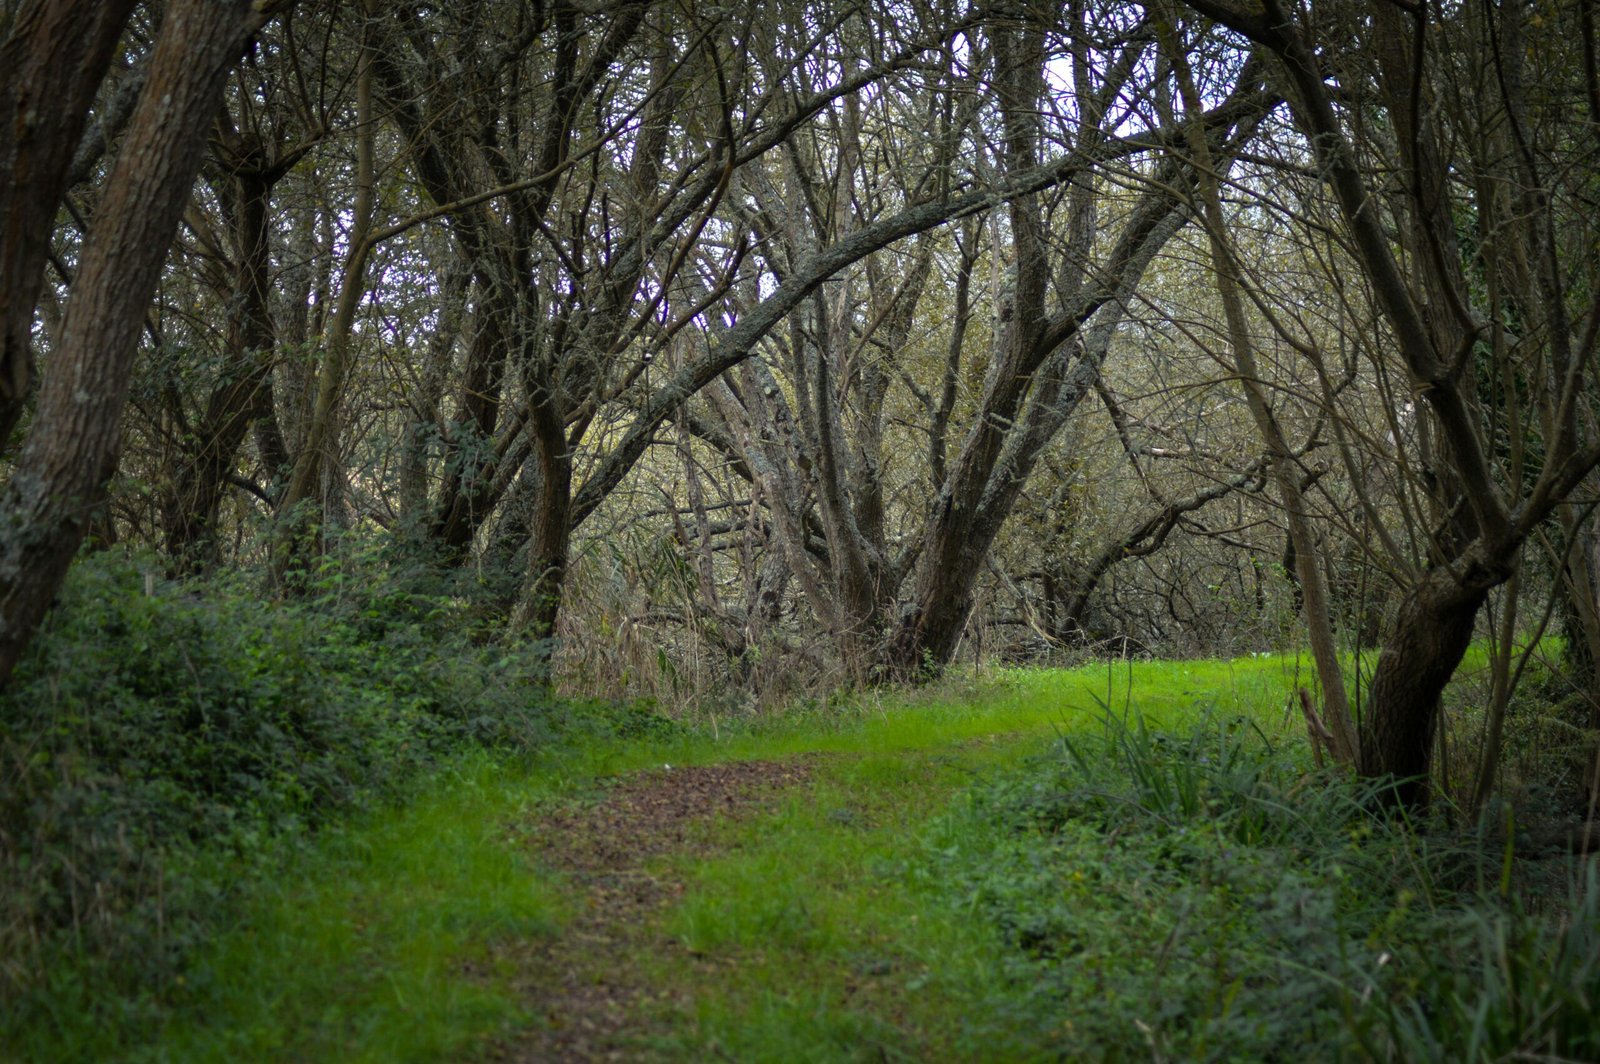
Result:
pixel 1498 982
pixel 1200 896
pixel 152 717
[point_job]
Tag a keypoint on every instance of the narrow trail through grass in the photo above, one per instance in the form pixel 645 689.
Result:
pixel 1125 862
pixel 589 995
pixel 552 912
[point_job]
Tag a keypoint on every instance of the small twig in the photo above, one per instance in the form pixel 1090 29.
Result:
pixel 1318 731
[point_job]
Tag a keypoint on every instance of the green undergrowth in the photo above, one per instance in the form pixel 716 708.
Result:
pixel 375 943
pixel 161 737
pixel 1132 890
pixel 263 941
pixel 1118 862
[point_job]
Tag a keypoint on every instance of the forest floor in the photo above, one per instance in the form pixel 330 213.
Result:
pixel 1128 862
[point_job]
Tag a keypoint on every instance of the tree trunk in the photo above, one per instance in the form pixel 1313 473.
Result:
pixel 1430 635
pixel 961 528
pixel 61 476
pixel 424 423
pixel 1043 363
pixel 51 63
pixel 998 457
pixel 550 525
pixel 466 496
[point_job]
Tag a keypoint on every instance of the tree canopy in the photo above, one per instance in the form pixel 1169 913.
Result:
pixel 815 343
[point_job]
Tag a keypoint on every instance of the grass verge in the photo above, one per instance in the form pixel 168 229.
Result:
pixel 1130 891
pixel 372 943
pixel 1126 862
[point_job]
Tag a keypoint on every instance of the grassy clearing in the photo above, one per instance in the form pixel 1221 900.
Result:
pixel 1172 888
pixel 1019 702
pixel 1115 862
pixel 358 946
pixel 856 922
pixel 819 939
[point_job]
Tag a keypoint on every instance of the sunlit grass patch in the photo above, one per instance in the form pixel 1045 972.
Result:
pixel 994 706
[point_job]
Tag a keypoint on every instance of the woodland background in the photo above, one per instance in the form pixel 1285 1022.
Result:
pixel 448 357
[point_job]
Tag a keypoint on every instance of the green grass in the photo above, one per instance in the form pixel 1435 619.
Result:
pixel 1012 702
pixel 853 932
pixel 822 907
pixel 1113 862
pixel 1172 886
pixel 371 944
pixel 354 948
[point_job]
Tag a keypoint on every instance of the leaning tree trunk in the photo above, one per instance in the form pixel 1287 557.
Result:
pixel 51 63
pixel 1043 363
pixel 1423 300
pixel 71 452
pixel 1429 637
pixel 1311 587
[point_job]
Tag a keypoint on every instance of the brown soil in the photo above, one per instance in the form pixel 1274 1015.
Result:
pixel 592 1003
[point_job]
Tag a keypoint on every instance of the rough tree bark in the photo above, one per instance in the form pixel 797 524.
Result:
pixel 51 63
pixel 60 478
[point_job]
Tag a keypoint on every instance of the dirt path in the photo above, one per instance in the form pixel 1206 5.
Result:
pixel 585 988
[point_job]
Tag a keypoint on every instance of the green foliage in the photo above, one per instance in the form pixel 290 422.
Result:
pixel 848 925
pixel 1159 893
pixel 971 874
pixel 152 717
pixel 373 941
pixel 1195 895
pixel 1500 983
